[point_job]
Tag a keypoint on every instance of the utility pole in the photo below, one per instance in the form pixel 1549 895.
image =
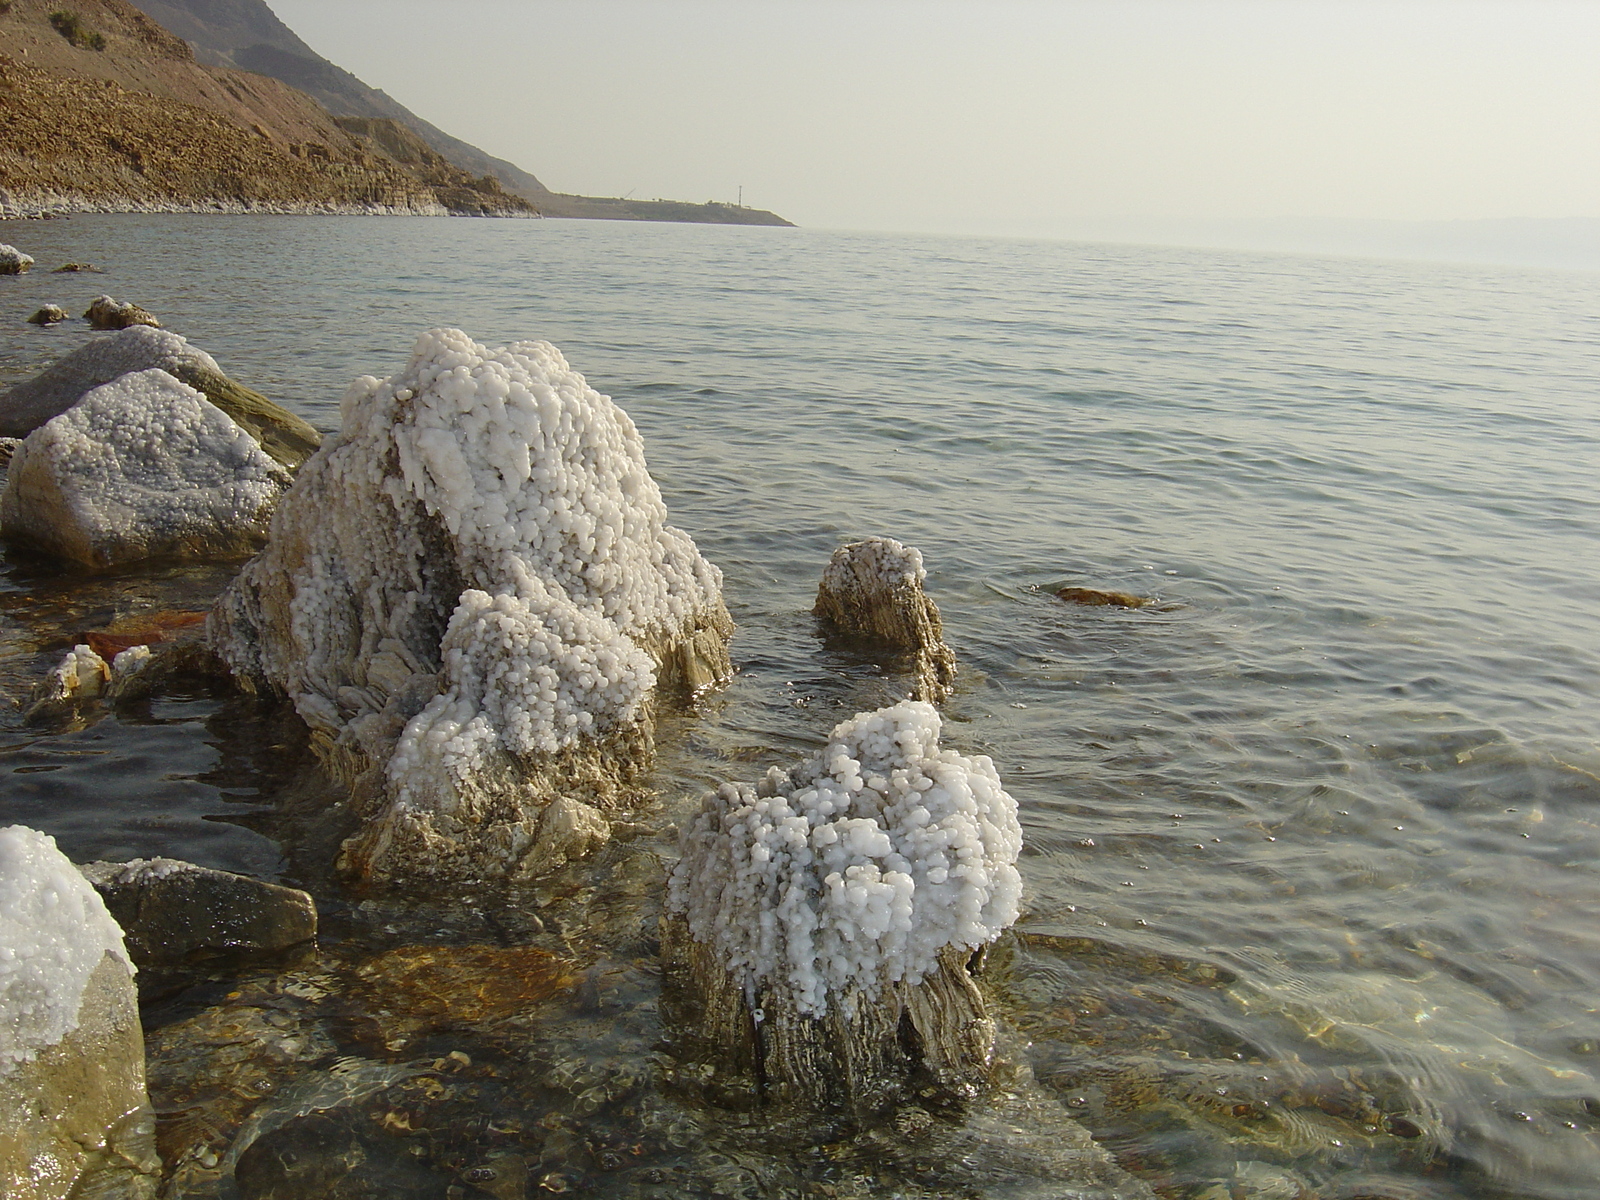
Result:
pixel 741 195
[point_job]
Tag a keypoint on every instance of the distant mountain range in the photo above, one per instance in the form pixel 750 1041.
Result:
pixel 247 34
pixel 217 104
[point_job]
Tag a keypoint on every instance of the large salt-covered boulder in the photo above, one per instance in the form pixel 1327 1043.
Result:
pixel 815 912
pixel 284 436
pixel 13 261
pixel 143 467
pixel 871 591
pixel 472 596
pixel 73 1108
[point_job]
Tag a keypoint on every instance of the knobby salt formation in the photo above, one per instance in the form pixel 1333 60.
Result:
pixel 820 924
pixel 872 590
pixel 471 596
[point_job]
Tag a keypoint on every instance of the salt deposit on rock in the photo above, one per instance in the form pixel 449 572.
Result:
pixel 284 436
pixel 53 933
pixel 872 590
pixel 13 261
pixel 144 467
pixel 74 1117
pixel 49 314
pixel 825 902
pixel 105 313
pixel 471 595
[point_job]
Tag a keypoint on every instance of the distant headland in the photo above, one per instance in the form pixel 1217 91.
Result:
pixel 181 105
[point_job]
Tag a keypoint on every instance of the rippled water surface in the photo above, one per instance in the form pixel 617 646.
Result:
pixel 1312 857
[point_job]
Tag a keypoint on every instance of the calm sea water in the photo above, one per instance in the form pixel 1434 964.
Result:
pixel 1313 858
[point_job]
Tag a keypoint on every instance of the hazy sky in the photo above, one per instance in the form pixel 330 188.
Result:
pixel 1046 117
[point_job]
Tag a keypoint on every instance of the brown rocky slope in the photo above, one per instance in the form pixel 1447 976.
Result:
pixel 110 111
pixel 248 34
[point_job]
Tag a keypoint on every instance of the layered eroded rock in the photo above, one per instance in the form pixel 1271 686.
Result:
pixel 871 591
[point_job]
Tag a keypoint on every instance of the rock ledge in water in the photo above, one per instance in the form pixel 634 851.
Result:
pixel 105 313
pixel 872 590
pixel 472 597
pixel 170 910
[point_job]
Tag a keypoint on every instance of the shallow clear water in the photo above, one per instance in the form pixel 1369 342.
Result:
pixel 1313 860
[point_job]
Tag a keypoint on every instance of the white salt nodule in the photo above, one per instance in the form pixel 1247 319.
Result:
pixel 150 459
pixel 555 537
pixel 54 931
pixel 857 868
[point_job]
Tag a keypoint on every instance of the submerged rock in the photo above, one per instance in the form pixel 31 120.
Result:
pixel 50 314
pixel 284 436
pixel 13 261
pixel 872 590
pixel 143 467
pixel 472 597
pixel 105 313
pixel 74 1116
pixel 171 910
pixel 73 268
pixel 1099 598
pixel 820 924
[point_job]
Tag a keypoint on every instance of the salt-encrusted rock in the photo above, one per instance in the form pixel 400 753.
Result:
pixel 50 314
pixel 74 1116
pixel 8 447
pixel 144 467
pixel 81 675
pixel 472 595
pixel 872 590
pixel 284 436
pixel 170 910
pixel 13 261
pixel 816 916
pixel 105 313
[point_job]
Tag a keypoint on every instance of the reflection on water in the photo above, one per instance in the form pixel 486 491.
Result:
pixel 1311 843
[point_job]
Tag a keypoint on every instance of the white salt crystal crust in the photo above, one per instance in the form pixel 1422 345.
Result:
pixel 61 385
pixel 484 525
pixel 54 932
pixel 140 467
pixel 857 868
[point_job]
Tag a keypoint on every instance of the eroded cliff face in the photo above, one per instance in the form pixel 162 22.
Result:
pixel 114 112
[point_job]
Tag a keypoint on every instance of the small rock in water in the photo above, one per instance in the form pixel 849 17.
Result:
pixel 1097 598
pixel 50 314
pixel 13 261
pixel 170 910
pixel 73 267
pixel 106 313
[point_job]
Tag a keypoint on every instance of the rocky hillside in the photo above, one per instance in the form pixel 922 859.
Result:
pixel 104 108
pixel 248 34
